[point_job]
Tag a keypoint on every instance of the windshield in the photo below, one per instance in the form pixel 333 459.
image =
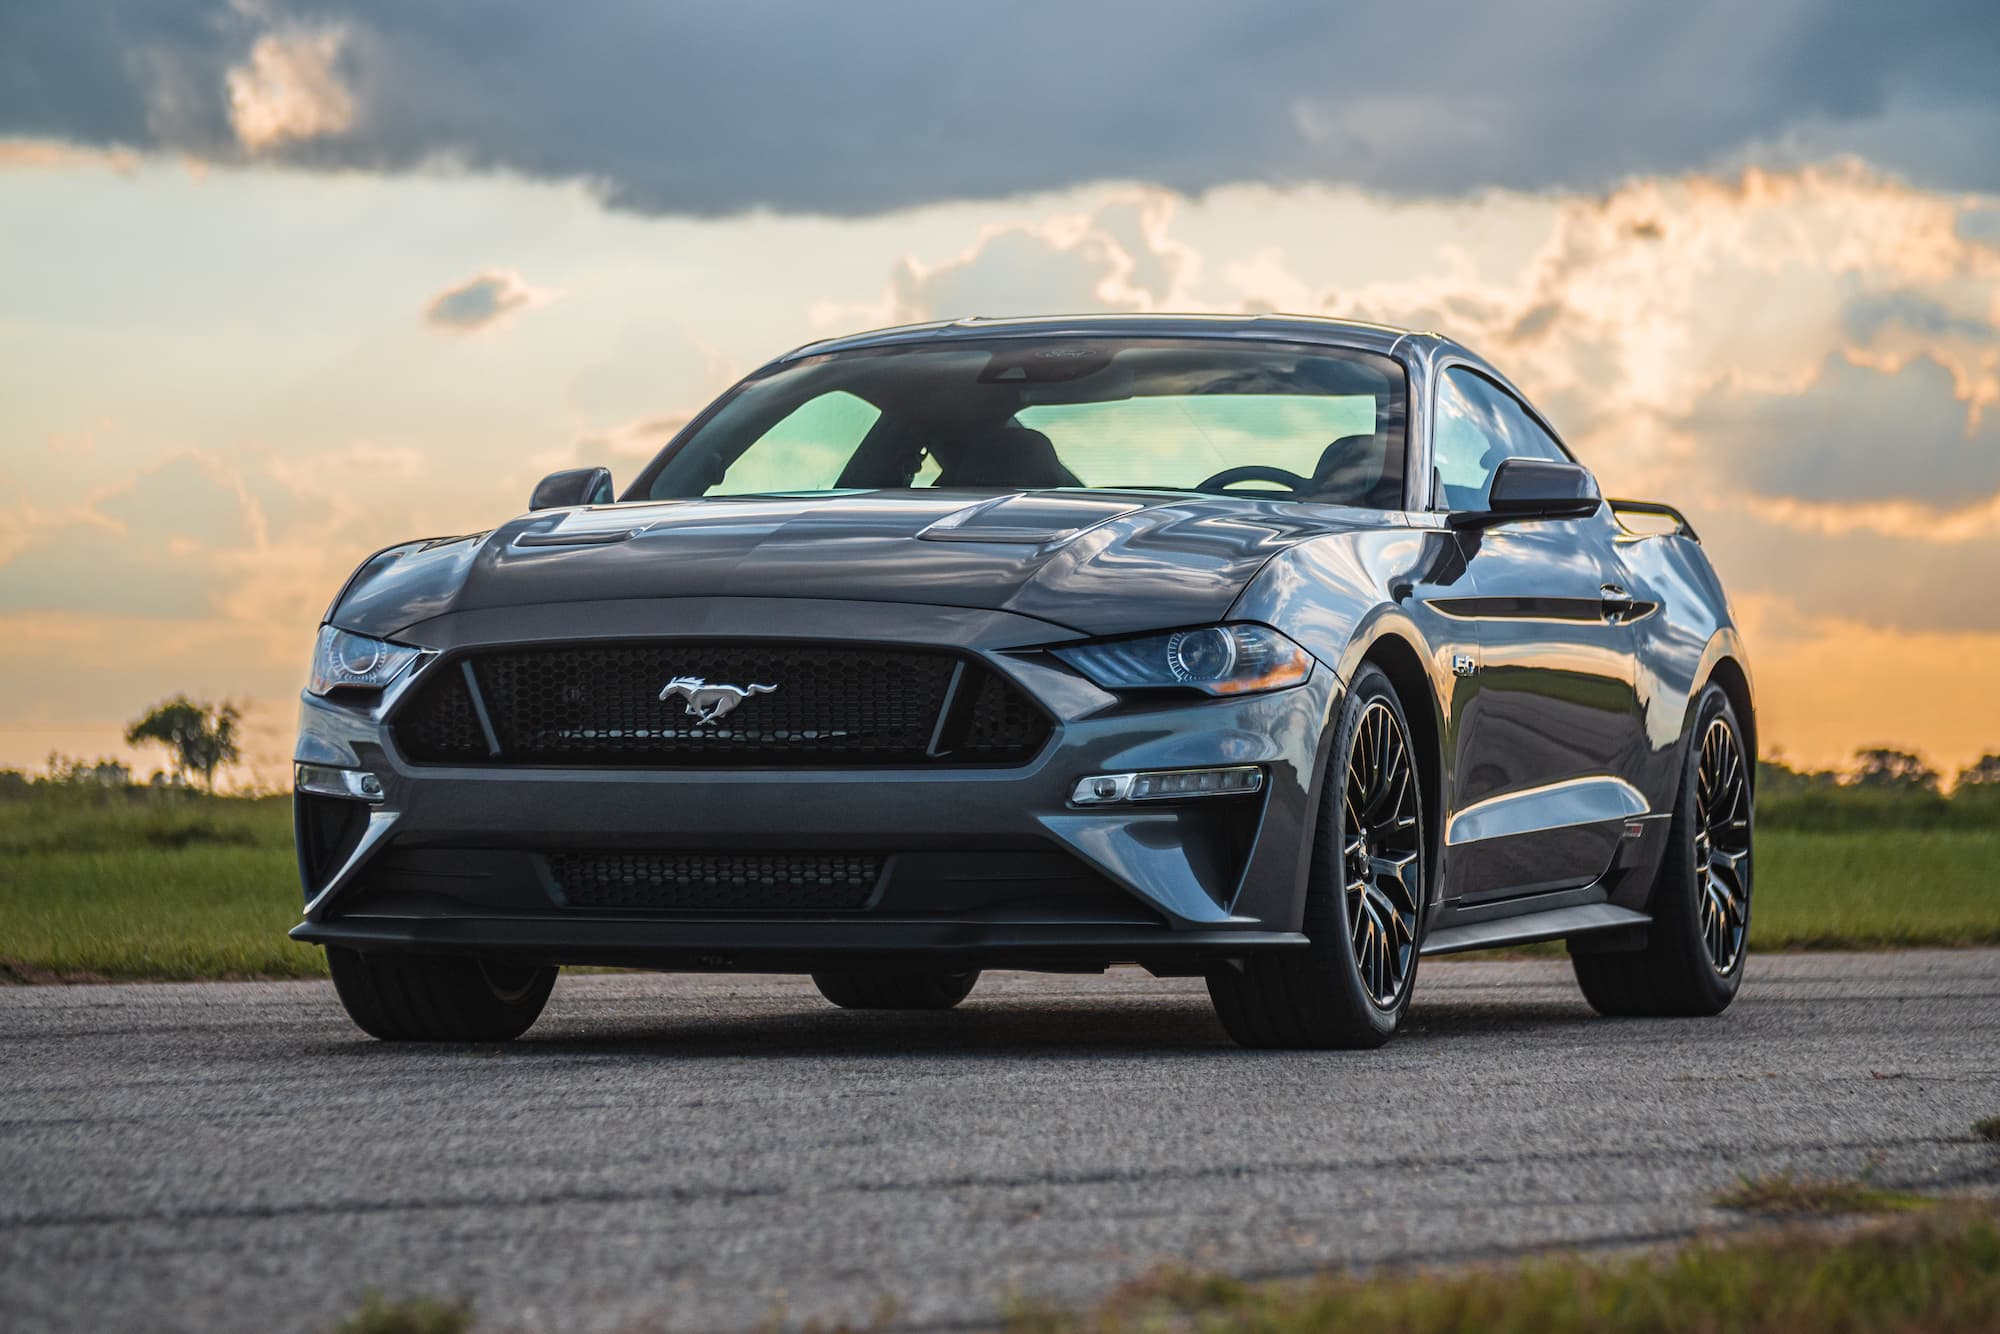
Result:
pixel 1276 420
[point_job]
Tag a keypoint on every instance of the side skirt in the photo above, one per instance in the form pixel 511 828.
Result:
pixel 1528 928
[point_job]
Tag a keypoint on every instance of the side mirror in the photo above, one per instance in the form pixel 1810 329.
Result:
pixel 572 486
pixel 1535 489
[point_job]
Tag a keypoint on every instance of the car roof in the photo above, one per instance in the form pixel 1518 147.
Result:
pixel 1380 338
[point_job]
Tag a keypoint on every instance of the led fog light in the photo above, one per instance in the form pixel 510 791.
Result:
pixel 1168 784
pixel 325 781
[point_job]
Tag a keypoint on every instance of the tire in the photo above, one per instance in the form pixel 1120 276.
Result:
pixel 1337 992
pixel 897 988
pixel 1689 966
pixel 434 998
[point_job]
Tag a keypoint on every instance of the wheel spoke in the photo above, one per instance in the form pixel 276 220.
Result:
pixel 1384 740
pixel 1383 911
pixel 1722 826
pixel 1381 851
pixel 1400 872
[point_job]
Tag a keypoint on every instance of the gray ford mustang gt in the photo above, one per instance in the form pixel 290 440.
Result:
pixel 1275 651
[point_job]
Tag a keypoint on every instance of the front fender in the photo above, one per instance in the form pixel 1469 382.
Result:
pixel 1347 598
pixel 1339 595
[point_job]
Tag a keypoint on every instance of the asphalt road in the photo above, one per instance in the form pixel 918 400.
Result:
pixel 710 1152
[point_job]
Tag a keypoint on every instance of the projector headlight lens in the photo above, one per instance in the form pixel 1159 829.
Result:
pixel 342 660
pixel 1219 659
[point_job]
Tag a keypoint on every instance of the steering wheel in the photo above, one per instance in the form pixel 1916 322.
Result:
pixel 1256 472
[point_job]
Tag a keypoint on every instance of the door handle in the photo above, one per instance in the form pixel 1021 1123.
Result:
pixel 1615 603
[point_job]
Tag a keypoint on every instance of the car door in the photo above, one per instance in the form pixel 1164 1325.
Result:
pixel 1551 724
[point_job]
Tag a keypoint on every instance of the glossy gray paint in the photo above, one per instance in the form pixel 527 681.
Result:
pixel 1569 712
pixel 1104 563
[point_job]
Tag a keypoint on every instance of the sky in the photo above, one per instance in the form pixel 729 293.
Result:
pixel 284 284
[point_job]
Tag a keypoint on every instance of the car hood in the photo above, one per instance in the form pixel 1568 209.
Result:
pixel 1098 562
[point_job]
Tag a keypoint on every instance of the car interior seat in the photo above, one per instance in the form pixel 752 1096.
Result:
pixel 1007 456
pixel 1356 470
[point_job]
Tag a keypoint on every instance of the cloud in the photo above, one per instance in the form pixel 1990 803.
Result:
pixel 1856 435
pixel 143 546
pixel 630 443
pixel 482 301
pixel 1120 255
pixel 1868 317
pixel 54 153
pixel 851 109
pixel 289 89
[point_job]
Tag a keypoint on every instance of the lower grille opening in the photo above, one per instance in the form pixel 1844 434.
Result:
pixel 327 830
pixel 716 882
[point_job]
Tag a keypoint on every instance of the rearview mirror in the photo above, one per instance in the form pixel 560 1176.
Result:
pixel 572 486
pixel 1534 489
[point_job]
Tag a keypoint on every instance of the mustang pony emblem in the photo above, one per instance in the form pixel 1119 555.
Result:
pixel 707 703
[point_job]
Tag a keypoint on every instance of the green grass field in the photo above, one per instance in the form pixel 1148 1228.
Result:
pixel 109 885
pixel 96 884
pixel 1936 1271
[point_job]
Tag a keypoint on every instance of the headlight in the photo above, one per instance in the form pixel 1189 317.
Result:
pixel 344 659
pixel 1220 659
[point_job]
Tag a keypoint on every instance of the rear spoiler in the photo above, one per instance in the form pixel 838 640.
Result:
pixel 1655 507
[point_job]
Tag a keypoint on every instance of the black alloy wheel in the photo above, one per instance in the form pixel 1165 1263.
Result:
pixel 1383 854
pixel 1365 897
pixel 1693 953
pixel 1722 845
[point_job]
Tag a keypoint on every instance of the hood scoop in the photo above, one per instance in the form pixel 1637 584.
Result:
pixel 1035 519
pixel 586 538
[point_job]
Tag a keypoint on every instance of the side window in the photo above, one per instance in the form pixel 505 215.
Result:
pixel 1466 444
pixel 1478 425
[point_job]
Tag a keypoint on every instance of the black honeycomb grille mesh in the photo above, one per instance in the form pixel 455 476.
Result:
pixel 1002 722
pixel 445 727
pixel 599 705
pixel 716 882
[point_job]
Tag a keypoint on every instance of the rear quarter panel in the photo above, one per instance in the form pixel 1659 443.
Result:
pixel 1678 647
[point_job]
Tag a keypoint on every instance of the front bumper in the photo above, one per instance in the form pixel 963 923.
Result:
pixel 982 866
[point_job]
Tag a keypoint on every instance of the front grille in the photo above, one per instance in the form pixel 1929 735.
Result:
pixel 716 882
pixel 599 705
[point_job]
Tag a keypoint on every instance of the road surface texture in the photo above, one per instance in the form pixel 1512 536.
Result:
pixel 714 1152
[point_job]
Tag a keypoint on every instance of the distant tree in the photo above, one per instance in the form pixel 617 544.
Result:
pixel 13 783
pixel 199 737
pixel 1985 774
pixel 1883 767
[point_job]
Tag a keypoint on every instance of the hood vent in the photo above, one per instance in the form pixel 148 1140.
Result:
pixel 1031 519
